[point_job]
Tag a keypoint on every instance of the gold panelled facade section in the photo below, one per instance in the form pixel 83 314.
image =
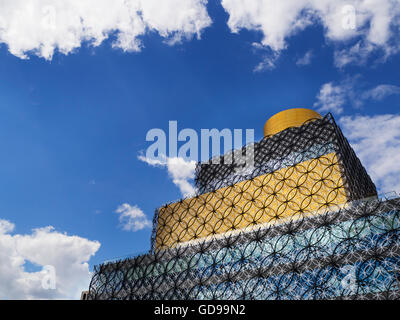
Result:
pixel 310 186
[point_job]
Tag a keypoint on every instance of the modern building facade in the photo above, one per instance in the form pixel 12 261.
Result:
pixel 304 222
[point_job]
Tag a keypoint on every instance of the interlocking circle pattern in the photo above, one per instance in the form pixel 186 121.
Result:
pixel 303 223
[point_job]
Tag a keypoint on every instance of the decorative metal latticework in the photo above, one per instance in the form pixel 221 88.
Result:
pixel 303 223
pixel 352 253
pixel 312 140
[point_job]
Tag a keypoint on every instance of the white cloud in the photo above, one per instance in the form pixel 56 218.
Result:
pixel 180 171
pixel 42 26
pixel 382 91
pixel 306 59
pixel 335 96
pixel 6 226
pixel 376 140
pixel 132 218
pixel 68 255
pixel 276 20
pixel 356 54
pixel 376 24
pixel 268 62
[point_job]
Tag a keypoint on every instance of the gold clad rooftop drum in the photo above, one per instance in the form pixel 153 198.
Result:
pixel 295 117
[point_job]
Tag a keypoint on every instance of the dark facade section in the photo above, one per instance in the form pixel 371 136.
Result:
pixel 358 181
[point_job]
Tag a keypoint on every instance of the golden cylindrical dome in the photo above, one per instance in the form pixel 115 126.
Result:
pixel 289 118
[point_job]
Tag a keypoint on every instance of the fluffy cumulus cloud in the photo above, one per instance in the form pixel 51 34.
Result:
pixel 356 27
pixel 376 140
pixel 42 26
pixel 61 261
pixel 132 218
pixel 333 97
pixel 180 171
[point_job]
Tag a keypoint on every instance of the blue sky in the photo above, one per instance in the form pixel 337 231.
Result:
pixel 73 124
